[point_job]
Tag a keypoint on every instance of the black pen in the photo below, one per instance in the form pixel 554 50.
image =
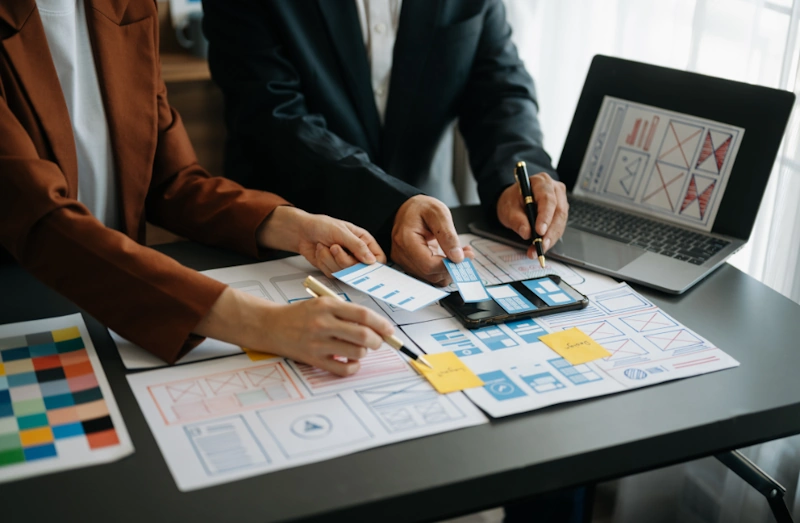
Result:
pixel 317 289
pixel 521 174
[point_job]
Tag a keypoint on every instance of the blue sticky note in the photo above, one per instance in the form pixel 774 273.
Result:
pixel 467 279
pixel 549 291
pixel 510 300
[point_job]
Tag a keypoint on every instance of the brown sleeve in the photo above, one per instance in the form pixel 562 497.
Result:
pixel 188 201
pixel 145 296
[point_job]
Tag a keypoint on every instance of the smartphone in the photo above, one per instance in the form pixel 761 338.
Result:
pixel 516 301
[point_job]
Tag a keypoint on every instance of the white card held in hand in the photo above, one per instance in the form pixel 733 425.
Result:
pixel 390 285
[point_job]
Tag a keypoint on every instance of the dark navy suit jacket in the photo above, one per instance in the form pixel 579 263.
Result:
pixel 300 110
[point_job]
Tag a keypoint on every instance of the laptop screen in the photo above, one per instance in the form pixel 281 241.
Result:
pixel 661 163
pixel 719 188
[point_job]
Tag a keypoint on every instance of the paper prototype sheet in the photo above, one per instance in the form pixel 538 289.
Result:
pixel 281 281
pixel 56 408
pixel 465 277
pixel 646 346
pixel 232 418
pixel 391 285
pixel 670 165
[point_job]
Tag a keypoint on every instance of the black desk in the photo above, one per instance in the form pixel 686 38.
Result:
pixel 457 472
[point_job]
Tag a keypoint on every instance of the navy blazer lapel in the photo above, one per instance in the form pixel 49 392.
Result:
pixel 415 33
pixel 341 17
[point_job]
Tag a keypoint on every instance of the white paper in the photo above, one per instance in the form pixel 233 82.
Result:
pixel 72 404
pixel 281 281
pixel 521 373
pixel 391 286
pixel 134 357
pixel 233 418
pixel 500 263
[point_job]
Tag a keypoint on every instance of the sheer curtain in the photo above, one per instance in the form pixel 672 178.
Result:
pixel 754 41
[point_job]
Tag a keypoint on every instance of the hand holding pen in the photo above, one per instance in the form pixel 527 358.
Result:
pixel 316 289
pixel 524 182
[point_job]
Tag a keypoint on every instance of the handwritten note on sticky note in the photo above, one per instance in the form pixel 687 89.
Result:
pixel 574 346
pixel 449 374
pixel 257 356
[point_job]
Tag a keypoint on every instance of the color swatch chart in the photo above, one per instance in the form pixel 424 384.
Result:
pixel 56 410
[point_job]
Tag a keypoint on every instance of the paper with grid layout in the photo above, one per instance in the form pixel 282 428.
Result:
pixel 646 346
pixel 281 281
pixel 56 408
pixel 222 420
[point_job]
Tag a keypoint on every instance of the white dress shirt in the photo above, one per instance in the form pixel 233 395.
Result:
pixel 68 39
pixel 379 20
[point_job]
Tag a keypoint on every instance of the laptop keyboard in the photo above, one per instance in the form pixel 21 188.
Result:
pixel 657 237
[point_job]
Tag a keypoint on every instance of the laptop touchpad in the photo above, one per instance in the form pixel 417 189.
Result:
pixel 596 250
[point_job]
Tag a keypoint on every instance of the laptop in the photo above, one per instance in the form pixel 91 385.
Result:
pixel 665 171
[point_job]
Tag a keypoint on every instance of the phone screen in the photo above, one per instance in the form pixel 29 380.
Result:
pixel 517 300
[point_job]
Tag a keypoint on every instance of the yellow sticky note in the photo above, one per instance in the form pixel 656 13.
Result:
pixel 449 374
pixel 574 346
pixel 254 355
pixel 70 333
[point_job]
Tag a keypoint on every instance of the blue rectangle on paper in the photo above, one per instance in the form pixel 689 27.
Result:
pixel 20 380
pixel 40 452
pixel 470 351
pixel 375 288
pixel 360 280
pixel 56 402
pixel 390 295
pixel 512 304
pixel 467 280
pixel 68 431
pixel 549 291
pixel 406 301
pixel 463 272
pixel 528 330
pixel 46 349
pixel 20 353
pixel 494 338
pixel 345 272
pixel 500 386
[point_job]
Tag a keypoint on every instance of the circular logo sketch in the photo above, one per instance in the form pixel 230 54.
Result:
pixel 313 426
pixel 501 389
pixel 635 374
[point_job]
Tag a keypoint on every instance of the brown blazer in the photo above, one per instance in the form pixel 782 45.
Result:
pixel 143 295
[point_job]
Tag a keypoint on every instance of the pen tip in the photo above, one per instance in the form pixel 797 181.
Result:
pixel 423 360
pixel 541 261
pixel 520 164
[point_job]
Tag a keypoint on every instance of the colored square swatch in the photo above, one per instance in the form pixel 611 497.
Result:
pixel 72 358
pixel 79 369
pixel 79 383
pixel 70 345
pixel 105 438
pixel 46 362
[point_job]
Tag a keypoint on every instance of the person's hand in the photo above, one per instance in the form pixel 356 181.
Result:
pixel 324 332
pixel 552 208
pixel 422 226
pixel 329 244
